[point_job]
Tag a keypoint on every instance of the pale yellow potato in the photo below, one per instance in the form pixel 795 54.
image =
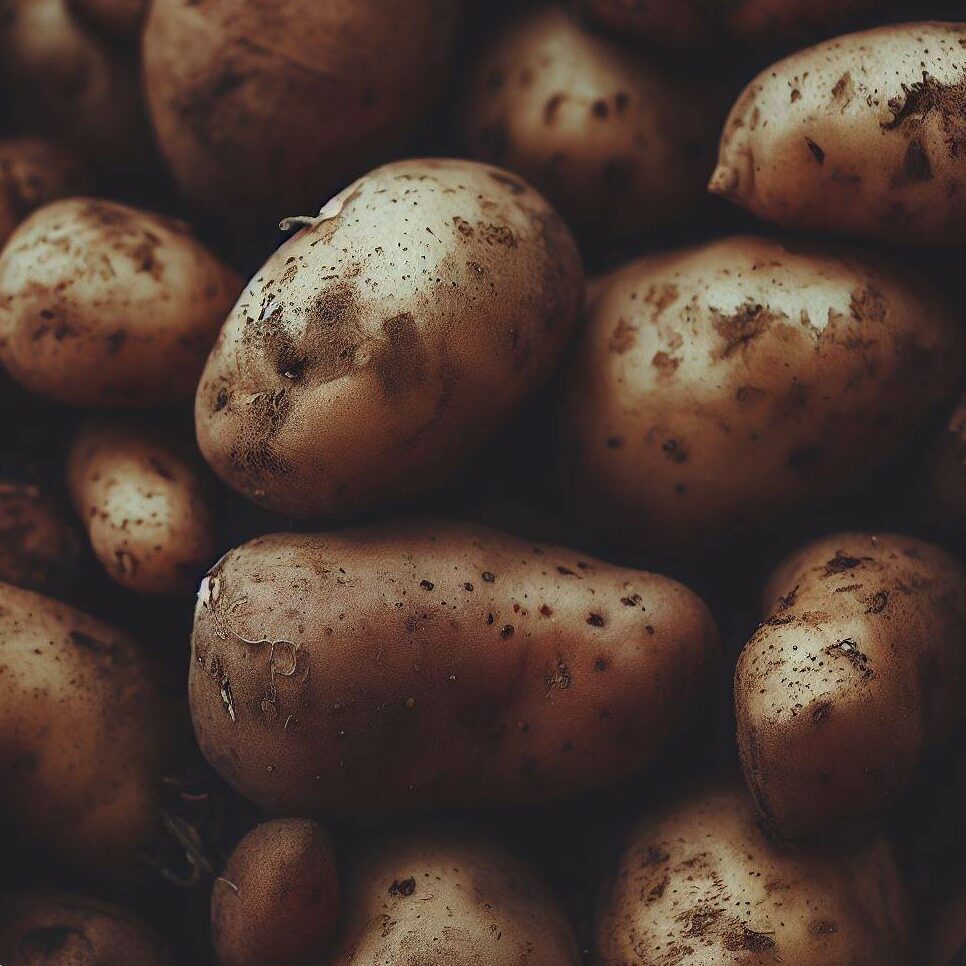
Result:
pixel 699 884
pixel 144 505
pixel 862 135
pixel 121 17
pixel 106 305
pixel 858 669
pixel 718 388
pixel 947 945
pixel 389 339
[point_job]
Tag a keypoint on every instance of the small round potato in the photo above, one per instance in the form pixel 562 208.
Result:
pixel 122 18
pixel 106 305
pixel 277 900
pixel 144 506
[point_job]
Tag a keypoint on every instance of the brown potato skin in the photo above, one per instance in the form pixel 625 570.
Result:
pixel 430 663
pixel 434 895
pixel 276 902
pixel 699 884
pixel 858 669
pixel 106 305
pixel 389 340
pixel 261 107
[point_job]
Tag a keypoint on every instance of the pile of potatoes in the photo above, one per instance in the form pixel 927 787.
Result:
pixel 538 428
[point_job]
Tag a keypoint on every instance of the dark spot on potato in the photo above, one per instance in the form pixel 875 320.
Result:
pixel 600 109
pixel 402 362
pixel 614 442
pixel 221 400
pixel 596 620
pixel 816 150
pixel 665 363
pixel 878 602
pixel 868 304
pixel 514 185
pixel 506 631
pixel 745 938
pixel 551 107
pixel 822 927
pixel 821 712
pixel 740 329
pixel 848 649
pixel 675 450
pixel 843 562
pixel 600 664
pixel 405 887
pixel 488 577
pixel 426 584
pixel 545 610
pixel 623 337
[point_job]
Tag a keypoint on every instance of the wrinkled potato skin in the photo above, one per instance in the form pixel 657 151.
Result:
pixel 259 106
pixel 858 668
pixel 434 896
pixel 120 17
pixel 428 663
pixel 83 730
pixel 948 944
pixel 277 900
pixel 47 929
pixel 720 387
pixel 700 885
pixel 389 340
pixel 619 145
pixel 106 305
pixel 144 507
pixel 865 137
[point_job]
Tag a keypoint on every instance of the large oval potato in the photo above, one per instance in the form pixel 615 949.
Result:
pixel 389 339
pixel 720 387
pixel 857 670
pixel 863 135
pixel 620 145
pixel 700 885
pixel 432 663
pixel 262 107
pixel 106 305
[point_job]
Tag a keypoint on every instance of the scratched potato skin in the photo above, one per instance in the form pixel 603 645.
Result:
pixel 857 670
pixel 863 135
pixel 428 663
pixel 700 884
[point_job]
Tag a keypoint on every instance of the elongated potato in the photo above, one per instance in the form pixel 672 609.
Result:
pixel 700 885
pixel 862 135
pixel 433 663
pixel 106 305
pixel 143 504
pixel 389 339
pixel 948 941
pixel 433 895
pixel 857 670
pixel 717 388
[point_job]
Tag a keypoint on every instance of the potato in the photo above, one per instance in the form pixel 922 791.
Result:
pixel 699 884
pixel 389 339
pixel 120 17
pixel 433 895
pixel 948 941
pixel 719 388
pixel 106 305
pixel 858 669
pixel 144 506
pixel 862 136
pixel 52 929
pixel 83 733
pixel 621 146
pixel 277 900
pixel 430 663
pixel 266 108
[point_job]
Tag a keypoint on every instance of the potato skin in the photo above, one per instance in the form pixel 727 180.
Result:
pixel 265 107
pixel 429 663
pixel 276 902
pixel 700 884
pixel 143 504
pixel 718 388
pixel 858 669
pixel 434 895
pixel 620 146
pixel 106 305
pixel 865 137
pixel 389 340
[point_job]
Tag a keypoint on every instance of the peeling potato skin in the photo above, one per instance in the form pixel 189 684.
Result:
pixel 863 135
pixel 858 669
pixel 325 666
pixel 701 885
pixel 948 943
pixel 389 340
pixel 619 145
pixel 106 305
pixel 433 895
pixel 83 732
pixel 144 506
pixel 276 902
pixel 718 388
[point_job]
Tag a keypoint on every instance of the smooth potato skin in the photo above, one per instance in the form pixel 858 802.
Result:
pixel 428 663
pixel 106 305
pixel 701 885
pixel 389 340
pixel 858 668
pixel 718 388
pixel 862 135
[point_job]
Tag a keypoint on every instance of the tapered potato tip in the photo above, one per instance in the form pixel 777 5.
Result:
pixel 724 181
